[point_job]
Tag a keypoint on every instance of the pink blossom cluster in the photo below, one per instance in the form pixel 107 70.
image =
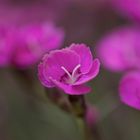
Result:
pixel 119 51
pixel 24 46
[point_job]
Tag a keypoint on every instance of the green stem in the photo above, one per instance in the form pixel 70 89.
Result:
pixel 78 104
pixel 58 98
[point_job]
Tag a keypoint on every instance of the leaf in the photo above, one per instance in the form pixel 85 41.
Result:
pixel 31 119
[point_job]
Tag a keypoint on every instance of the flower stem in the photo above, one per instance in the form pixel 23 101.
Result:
pixel 79 109
pixel 58 98
pixel 78 104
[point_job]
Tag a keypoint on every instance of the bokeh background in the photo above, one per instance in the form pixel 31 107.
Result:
pixel 25 113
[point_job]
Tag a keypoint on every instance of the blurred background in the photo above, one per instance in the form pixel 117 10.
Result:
pixel 25 114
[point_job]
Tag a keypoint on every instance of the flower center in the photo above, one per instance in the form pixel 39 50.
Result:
pixel 71 77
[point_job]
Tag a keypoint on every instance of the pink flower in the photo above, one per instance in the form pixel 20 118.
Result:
pixel 32 41
pixel 120 49
pixel 129 8
pixel 129 89
pixel 69 69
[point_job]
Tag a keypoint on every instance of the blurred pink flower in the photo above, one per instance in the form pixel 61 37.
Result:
pixel 91 115
pixel 5 46
pixel 68 69
pixel 32 41
pixel 120 49
pixel 129 89
pixel 128 8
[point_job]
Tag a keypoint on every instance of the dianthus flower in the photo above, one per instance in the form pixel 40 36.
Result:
pixel 120 50
pixel 129 89
pixel 32 41
pixel 69 69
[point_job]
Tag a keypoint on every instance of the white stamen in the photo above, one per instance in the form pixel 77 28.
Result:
pixel 73 76
pixel 66 71
pixel 75 69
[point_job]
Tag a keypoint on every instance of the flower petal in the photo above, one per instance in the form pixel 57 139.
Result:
pixel 53 62
pixel 129 89
pixel 72 90
pixel 43 79
pixel 92 73
pixel 85 55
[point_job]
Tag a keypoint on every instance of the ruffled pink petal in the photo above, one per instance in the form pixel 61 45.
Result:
pixel 92 73
pixel 44 80
pixel 72 90
pixel 85 55
pixel 129 89
pixel 53 62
